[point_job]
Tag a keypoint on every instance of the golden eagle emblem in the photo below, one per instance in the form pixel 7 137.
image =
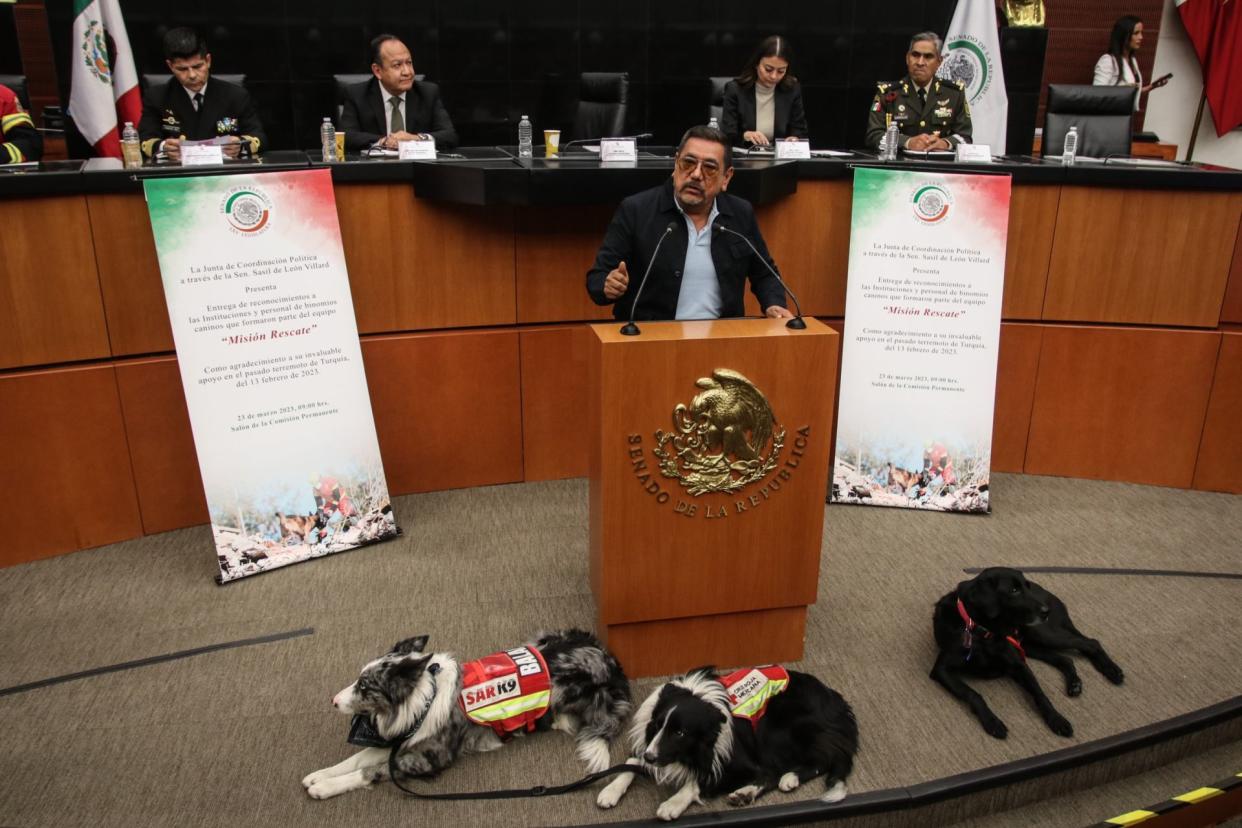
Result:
pixel 718 442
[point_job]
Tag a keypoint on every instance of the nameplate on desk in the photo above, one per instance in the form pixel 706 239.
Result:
pixel 424 150
pixel 978 153
pixel 195 155
pixel 613 150
pixel 790 150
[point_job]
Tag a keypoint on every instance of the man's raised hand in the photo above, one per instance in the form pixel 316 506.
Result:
pixel 617 283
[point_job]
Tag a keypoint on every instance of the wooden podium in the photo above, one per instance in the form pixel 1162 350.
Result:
pixel 724 576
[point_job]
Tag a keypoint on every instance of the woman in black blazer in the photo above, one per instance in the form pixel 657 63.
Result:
pixel 764 103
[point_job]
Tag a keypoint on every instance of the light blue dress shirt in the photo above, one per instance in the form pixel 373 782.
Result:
pixel 700 289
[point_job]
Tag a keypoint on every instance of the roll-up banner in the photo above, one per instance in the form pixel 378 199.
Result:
pixel 922 327
pixel 258 296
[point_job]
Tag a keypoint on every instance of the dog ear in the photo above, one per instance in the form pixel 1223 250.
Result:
pixel 410 645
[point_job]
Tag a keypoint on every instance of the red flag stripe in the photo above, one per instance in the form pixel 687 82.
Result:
pixel 1215 30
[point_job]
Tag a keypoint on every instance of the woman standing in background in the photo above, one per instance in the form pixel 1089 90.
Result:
pixel 764 103
pixel 1119 66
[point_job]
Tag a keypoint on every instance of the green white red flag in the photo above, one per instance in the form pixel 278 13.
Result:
pixel 104 92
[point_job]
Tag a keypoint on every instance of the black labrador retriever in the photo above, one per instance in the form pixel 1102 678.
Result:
pixel 990 625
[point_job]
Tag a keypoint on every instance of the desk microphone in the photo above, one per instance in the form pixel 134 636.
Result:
pixel 643 136
pixel 796 323
pixel 630 329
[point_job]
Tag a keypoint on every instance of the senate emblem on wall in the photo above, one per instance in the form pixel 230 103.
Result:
pixel 724 440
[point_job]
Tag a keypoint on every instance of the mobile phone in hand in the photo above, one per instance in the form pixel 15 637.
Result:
pixel 1161 81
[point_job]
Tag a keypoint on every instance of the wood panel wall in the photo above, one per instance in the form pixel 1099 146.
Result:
pixel 50 306
pixel 1219 466
pixel 808 235
pixel 555 247
pixel 1016 369
pixel 1121 403
pixel 1032 221
pixel 448 408
pixel 1106 266
pixel 66 463
pixel 1231 308
pixel 415 265
pixel 129 274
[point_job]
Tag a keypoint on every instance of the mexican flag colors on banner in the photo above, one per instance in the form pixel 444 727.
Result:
pixel 972 56
pixel 1215 29
pixel 104 94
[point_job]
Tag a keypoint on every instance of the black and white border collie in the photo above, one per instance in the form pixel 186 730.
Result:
pixel 684 734
pixel 416 694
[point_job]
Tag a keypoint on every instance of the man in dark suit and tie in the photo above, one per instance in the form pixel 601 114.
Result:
pixel 193 107
pixel 393 107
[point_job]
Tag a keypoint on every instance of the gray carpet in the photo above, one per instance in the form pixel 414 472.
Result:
pixel 224 737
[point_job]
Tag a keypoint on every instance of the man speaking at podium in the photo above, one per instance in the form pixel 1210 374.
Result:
pixel 703 260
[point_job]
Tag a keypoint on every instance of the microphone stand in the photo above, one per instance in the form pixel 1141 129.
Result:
pixel 630 329
pixel 797 323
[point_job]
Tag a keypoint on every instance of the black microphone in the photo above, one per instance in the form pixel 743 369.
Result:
pixel 797 322
pixel 642 136
pixel 630 329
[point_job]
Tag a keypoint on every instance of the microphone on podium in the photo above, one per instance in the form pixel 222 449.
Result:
pixel 797 322
pixel 630 329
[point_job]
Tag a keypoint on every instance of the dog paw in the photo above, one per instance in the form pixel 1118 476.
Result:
pixel 312 778
pixel 789 781
pixel 745 795
pixel 1073 687
pixel 609 797
pixel 1059 725
pixel 834 794
pixel 321 790
pixel 1114 673
pixel 669 810
pixel 995 728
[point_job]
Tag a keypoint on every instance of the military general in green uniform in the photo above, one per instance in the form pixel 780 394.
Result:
pixel 931 113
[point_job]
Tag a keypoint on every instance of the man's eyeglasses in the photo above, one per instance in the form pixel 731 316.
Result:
pixel 688 163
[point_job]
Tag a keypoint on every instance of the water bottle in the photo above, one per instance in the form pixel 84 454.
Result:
pixel 327 140
pixel 525 148
pixel 1071 147
pixel 892 139
pixel 131 149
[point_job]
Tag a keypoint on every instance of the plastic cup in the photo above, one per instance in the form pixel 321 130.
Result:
pixel 551 141
pixel 340 146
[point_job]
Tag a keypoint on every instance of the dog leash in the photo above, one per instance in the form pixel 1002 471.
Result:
pixel 512 793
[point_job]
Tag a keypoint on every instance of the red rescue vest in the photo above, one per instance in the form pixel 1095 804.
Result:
pixel 751 689
pixel 506 691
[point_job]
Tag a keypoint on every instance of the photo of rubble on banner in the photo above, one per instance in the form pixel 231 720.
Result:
pixel 942 480
pixel 329 513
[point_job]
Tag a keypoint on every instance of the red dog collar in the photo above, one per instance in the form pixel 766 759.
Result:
pixel 968 636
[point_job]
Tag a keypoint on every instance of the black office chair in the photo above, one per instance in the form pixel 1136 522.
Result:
pixel 1104 116
pixel 716 108
pixel 352 79
pixel 18 84
pixel 157 82
pixel 602 101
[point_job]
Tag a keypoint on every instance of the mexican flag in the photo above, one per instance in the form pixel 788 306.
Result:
pixel 972 57
pixel 1215 29
pixel 104 93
